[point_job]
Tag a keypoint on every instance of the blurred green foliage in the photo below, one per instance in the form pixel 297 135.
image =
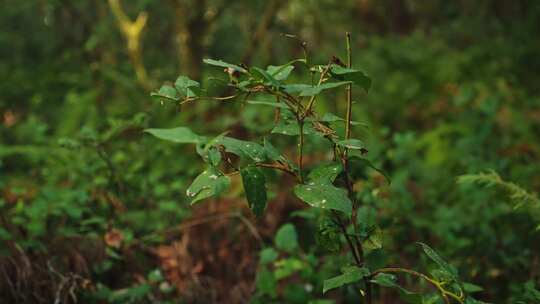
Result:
pixel 85 194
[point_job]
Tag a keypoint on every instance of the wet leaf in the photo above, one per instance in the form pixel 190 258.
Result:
pixel 328 172
pixel 166 93
pixel 315 90
pixel 178 135
pixel 209 183
pixel 352 143
pixel 330 117
pixel 255 188
pixel 351 274
pixel 435 257
pixel 242 148
pixel 324 195
pixel 223 64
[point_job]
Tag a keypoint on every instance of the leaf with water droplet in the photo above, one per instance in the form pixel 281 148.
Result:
pixel 166 93
pixel 355 144
pixel 322 194
pixel 254 183
pixel 328 171
pixel 209 183
pixel 244 149
pixel 330 117
pixel 350 275
pixel 288 125
pixel 223 64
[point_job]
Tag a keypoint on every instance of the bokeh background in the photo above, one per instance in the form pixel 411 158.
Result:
pixel 93 210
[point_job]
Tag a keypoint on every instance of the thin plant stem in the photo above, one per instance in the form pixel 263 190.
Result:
pixel 345 161
pixel 301 150
pixel 349 91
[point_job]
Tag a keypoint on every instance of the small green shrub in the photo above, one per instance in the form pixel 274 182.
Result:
pixel 326 186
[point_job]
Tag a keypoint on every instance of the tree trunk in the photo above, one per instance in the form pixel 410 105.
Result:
pixel 191 30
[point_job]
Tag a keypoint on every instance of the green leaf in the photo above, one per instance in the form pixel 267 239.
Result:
pixel 385 280
pixel 287 125
pixel 327 172
pixel 314 90
pixel 291 128
pixel 470 300
pixel 214 156
pixel 268 255
pixel 242 148
pixel 209 152
pixel 347 74
pixel 186 86
pixel 266 283
pixel 329 241
pixel 358 163
pixel 280 72
pixel 166 93
pixel 273 154
pixel 269 103
pixel 351 274
pixel 181 135
pixel 287 267
pixel 330 117
pixel 155 276
pixel 209 183
pixel 472 288
pixel 271 151
pixel 4 234
pixel 133 294
pixel 295 88
pixel 374 240
pixel 435 257
pixel 255 188
pixel 261 74
pixel 352 143
pixel 286 238
pixel 322 194
pixel 329 236
pixel 223 64
pixel 389 280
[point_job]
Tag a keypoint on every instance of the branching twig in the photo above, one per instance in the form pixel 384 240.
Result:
pixel 321 79
pixel 445 294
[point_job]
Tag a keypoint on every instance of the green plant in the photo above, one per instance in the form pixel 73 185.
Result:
pixel 520 197
pixel 328 185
